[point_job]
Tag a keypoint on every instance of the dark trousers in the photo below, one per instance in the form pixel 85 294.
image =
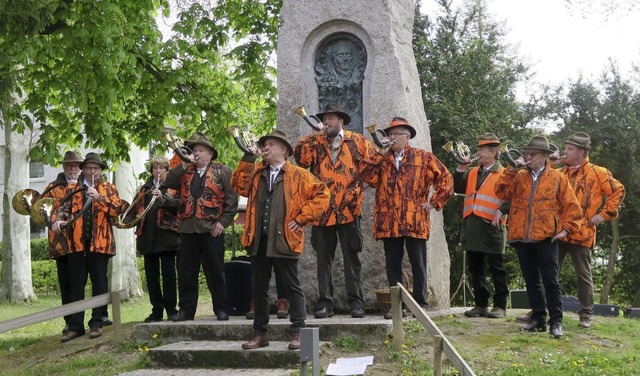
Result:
pixel 80 266
pixel 281 289
pixel 261 267
pixel 539 265
pixel 62 266
pixel 417 252
pixel 163 298
pixel 196 249
pixel 325 241
pixel 476 266
pixel 581 259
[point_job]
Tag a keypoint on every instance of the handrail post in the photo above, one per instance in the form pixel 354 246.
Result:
pixel 437 355
pixel 396 318
pixel 115 311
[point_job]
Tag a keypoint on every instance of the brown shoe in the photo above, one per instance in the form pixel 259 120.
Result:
pixel 496 313
pixel 258 340
pixel 526 318
pixel 251 314
pixel 283 308
pixel 585 322
pixel 69 335
pixel 95 333
pixel 477 312
pixel 295 341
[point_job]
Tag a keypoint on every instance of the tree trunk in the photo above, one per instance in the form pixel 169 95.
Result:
pixel 124 273
pixel 611 265
pixel 16 284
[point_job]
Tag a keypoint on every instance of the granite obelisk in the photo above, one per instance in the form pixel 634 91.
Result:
pixel 358 54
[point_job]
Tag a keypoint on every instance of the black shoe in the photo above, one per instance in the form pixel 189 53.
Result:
pixel 222 316
pixel 182 316
pixel 357 313
pixel 153 318
pixel 323 313
pixel 556 330
pixel 534 326
pixel 106 321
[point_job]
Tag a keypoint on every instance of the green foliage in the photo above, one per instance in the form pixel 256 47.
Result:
pixel 349 343
pixel 44 276
pixel 104 70
pixel 39 249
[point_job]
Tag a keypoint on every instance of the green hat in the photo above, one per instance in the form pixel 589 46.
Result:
pixel 579 139
pixel 539 143
pixel 280 136
pixel 199 138
pixel 488 139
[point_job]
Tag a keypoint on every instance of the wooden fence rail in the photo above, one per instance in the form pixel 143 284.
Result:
pixel 112 298
pixel 399 295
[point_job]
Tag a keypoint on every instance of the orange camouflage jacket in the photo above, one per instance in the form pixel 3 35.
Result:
pixel 306 197
pixel 58 243
pixel 341 177
pixel 107 206
pixel 401 193
pixel 598 193
pixel 540 209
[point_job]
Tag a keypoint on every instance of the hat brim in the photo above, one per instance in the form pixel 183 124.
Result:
pixel 104 166
pixel 575 143
pixel 537 148
pixel 488 143
pixel 263 139
pixel 190 145
pixel 411 129
pixel 345 117
pixel 73 161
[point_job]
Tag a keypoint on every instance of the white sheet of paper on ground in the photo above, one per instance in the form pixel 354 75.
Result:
pixel 346 369
pixel 366 360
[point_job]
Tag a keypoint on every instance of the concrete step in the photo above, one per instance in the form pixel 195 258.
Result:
pixel 211 372
pixel 371 329
pixel 223 354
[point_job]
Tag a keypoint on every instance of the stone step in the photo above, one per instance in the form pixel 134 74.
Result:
pixel 371 329
pixel 223 354
pixel 211 372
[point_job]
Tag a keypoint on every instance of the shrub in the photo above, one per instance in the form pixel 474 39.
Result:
pixel 44 276
pixel 39 249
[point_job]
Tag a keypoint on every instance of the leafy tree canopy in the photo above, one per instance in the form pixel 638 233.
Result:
pixel 102 69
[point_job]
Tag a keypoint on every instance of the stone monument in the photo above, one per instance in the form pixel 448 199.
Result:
pixel 358 54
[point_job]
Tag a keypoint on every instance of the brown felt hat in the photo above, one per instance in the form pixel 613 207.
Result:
pixel 72 156
pixel 199 138
pixel 539 143
pixel 579 139
pixel 333 108
pixel 488 139
pixel 280 136
pixel 93 158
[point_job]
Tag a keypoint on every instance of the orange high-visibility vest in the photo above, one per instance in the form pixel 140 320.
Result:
pixel 482 202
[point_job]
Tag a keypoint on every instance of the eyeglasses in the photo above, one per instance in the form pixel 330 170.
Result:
pixel 395 134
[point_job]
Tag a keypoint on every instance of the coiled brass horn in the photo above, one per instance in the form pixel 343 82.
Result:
pixel 176 145
pixel 119 221
pixel 300 111
pixel 459 152
pixel 23 200
pixel 87 205
pixel 243 138
pixel 41 211
pixel 374 135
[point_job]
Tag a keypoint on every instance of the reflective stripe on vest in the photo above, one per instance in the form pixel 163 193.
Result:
pixel 482 202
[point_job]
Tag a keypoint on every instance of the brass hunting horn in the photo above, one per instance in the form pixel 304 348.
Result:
pixel 119 221
pixel 303 114
pixel 459 152
pixel 177 145
pixel 243 138
pixel 374 135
